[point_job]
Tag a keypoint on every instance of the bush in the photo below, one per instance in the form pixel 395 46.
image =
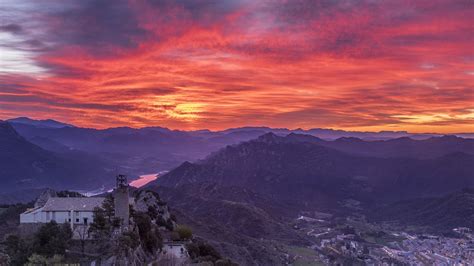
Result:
pixel 184 232
pixel 175 236
pixel 36 259
pixel 202 252
pixel 225 262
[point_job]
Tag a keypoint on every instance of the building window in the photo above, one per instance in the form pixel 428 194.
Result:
pixel 85 221
pixel 77 220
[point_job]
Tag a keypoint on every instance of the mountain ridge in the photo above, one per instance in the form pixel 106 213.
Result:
pixel 272 162
pixel 327 133
pixel 438 214
pixel 24 165
pixel 46 123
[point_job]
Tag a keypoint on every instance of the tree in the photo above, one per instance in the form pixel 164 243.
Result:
pixel 148 232
pixel 101 226
pixel 184 232
pixel 143 222
pixel 128 241
pixel 168 224
pixel 17 249
pixel 109 207
pixel 83 233
pixel 51 239
pixel 66 230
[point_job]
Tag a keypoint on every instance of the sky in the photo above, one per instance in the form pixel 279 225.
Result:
pixel 354 65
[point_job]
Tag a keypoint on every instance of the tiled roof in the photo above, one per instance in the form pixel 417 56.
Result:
pixel 72 204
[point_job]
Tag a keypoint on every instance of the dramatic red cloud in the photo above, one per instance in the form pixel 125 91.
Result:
pixel 358 65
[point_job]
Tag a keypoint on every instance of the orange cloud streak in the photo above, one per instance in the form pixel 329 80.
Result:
pixel 384 67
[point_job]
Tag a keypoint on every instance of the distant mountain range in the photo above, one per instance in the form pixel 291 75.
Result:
pixel 154 149
pixel 403 147
pixel 24 165
pixel 292 169
pixel 47 123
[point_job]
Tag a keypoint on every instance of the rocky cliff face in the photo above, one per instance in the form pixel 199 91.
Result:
pixel 149 202
pixel 142 241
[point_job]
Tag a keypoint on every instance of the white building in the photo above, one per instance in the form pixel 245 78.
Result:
pixel 76 211
pixel 174 253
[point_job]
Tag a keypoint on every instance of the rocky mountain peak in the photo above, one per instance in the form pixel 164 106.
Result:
pixel 269 138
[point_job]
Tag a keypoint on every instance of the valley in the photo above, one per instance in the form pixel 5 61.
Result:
pixel 270 198
pixel 261 234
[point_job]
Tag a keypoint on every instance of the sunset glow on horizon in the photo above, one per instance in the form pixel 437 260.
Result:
pixel 352 65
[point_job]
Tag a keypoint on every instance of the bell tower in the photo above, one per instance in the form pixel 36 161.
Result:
pixel 121 201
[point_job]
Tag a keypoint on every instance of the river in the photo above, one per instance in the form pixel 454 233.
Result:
pixel 145 179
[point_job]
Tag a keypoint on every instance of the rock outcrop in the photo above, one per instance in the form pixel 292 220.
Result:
pixel 149 202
